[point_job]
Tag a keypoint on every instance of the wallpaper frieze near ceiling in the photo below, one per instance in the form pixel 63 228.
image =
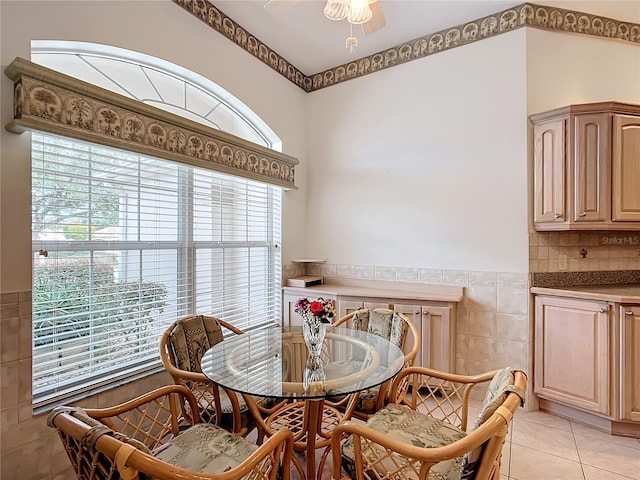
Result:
pixel 527 14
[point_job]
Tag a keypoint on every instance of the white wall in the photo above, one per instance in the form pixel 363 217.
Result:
pixel 425 164
pixel 169 33
pixel 566 69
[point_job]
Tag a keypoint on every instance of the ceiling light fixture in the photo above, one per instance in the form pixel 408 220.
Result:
pixel 355 11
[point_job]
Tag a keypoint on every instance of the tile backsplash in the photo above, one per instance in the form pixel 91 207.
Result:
pixel 585 251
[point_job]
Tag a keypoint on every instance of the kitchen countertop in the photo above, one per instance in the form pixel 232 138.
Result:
pixel 394 290
pixel 607 293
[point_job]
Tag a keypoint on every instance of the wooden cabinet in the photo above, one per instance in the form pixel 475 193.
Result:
pixel 626 168
pixel 587 167
pixel 630 362
pixel 431 307
pixel 572 352
pixel 437 334
pixel 549 154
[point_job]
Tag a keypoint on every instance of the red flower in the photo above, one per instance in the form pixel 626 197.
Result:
pixel 316 307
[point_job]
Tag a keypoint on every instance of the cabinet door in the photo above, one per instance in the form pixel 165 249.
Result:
pixel 414 312
pixel 630 363
pixel 572 352
pixel 626 168
pixel 549 159
pixel 437 335
pixel 592 157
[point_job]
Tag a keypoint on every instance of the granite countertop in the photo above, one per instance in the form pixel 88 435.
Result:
pixel 627 293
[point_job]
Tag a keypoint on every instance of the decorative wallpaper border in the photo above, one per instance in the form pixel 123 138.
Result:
pixel 46 100
pixel 526 14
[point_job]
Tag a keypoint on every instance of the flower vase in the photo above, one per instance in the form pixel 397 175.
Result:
pixel 314 377
pixel 313 331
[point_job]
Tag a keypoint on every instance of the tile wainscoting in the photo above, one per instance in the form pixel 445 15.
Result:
pixel 27 444
pixel 492 320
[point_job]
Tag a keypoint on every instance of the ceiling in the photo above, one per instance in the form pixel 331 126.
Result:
pixel 299 31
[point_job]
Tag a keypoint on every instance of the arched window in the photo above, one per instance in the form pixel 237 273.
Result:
pixel 124 244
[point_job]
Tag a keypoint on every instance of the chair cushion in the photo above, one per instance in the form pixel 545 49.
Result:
pixel 496 394
pixel 206 448
pixel 408 426
pixel 191 337
pixel 382 322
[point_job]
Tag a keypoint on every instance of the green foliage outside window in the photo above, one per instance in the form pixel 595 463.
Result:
pixel 78 298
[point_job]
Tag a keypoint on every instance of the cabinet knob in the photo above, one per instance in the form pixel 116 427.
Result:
pixel 557 215
pixel 417 312
pixel 426 312
pixel 583 214
pixel 602 310
pixel 628 312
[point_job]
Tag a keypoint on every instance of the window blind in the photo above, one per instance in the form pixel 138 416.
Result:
pixel 126 244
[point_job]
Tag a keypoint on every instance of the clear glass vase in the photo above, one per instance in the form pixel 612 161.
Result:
pixel 314 377
pixel 313 331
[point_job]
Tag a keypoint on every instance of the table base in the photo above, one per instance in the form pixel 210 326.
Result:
pixel 311 422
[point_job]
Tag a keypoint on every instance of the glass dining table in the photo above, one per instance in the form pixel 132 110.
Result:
pixel 275 363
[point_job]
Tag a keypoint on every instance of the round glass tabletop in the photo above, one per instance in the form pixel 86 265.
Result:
pixel 274 362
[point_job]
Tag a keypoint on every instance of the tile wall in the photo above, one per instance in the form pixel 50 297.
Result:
pixel 492 320
pixel 29 449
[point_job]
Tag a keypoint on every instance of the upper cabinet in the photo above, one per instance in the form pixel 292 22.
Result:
pixel 587 167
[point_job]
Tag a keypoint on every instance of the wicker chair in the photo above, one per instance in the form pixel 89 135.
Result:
pixel 395 327
pixel 159 436
pixel 422 433
pixel 181 349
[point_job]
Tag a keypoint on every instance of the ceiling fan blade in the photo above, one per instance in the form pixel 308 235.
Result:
pixel 277 6
pixel 377 20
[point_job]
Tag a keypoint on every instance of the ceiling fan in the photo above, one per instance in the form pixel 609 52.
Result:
pixel 367 13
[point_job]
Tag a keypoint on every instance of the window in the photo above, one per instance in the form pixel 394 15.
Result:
pixel 127 244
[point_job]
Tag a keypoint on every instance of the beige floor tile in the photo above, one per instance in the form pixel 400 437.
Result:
pixel 530 464
pixel 581 429
pixel 546 439
pixel 506 459
pixel 608 456
pixel 593 473
pixel 544 419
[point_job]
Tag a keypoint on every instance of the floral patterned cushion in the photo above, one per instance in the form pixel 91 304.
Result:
pixel 383 322
pixel 497 391
pixel 191 338
pixel 411 427
pixel 206 448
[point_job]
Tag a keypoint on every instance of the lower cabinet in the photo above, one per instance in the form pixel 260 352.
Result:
pixel 435 321
pixel 437 335
pixel 572 352
pixel 630 362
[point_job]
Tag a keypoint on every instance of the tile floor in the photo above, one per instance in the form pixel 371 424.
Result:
pixel 541 446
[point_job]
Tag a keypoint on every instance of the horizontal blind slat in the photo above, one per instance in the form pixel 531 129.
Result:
pixel 133 244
